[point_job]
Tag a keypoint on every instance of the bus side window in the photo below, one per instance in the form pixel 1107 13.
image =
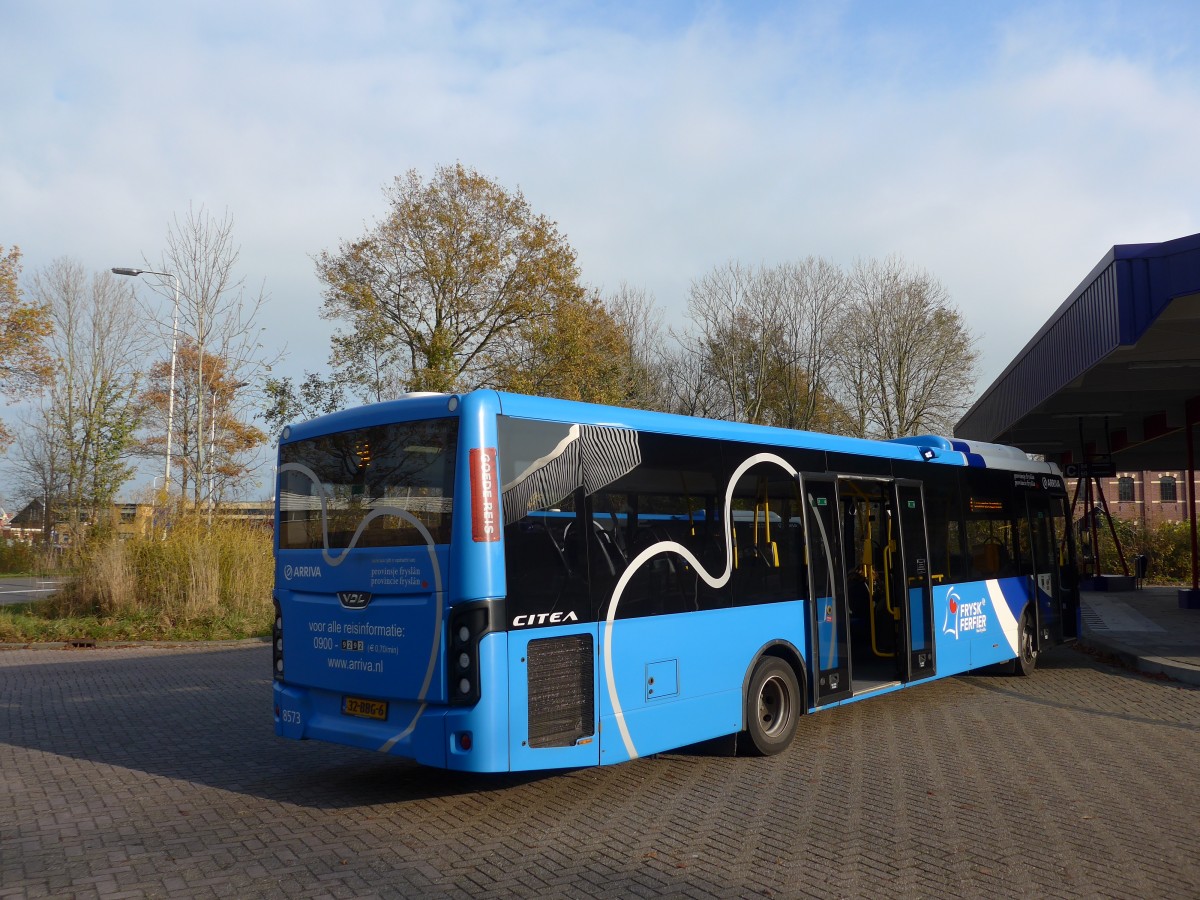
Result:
pixel 546 563
pixel 991 525
pixel 769 547
pixel 669 498
pixel 943 518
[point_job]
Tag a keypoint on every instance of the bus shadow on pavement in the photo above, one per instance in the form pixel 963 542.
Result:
pixel 358 780
pixel 1065 656
pixel 203 718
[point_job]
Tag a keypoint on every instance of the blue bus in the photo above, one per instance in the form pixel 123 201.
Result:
pixel 492 582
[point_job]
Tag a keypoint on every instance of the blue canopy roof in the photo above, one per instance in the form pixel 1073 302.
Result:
pixel 1115 370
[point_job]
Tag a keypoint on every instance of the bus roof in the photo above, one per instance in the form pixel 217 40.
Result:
pixel 946 451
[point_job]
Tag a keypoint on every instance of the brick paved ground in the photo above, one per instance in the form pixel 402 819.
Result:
pixel 151 772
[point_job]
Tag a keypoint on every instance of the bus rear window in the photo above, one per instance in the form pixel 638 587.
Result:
pixel 368 487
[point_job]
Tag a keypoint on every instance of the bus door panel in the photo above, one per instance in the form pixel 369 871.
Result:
pixel 917 579
pixel 552 673
pixel 828 616
pixel 1046 580
pixel 1068 576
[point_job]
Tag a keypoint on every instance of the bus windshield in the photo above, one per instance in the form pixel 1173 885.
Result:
pixel 368 487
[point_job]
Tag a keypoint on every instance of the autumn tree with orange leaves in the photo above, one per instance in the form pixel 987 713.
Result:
pixel 462 285
pixel 212 439
pixel 25 363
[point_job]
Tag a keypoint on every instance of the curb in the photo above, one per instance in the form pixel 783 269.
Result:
pixel 89 644
pixel 1146 665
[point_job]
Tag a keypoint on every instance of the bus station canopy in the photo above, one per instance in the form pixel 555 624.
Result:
pixel 1114 375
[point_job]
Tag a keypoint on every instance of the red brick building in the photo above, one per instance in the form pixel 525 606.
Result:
pixel 1148 497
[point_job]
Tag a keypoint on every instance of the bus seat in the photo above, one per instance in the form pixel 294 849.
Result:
pixel 985 558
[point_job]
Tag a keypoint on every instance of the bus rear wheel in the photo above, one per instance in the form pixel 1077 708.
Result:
pixel 1027 650
pixel 773 706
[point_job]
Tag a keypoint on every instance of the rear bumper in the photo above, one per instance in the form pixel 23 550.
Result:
pixel 430 734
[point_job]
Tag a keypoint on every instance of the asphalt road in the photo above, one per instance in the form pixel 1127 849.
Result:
pixel 155 772
pixel 22 589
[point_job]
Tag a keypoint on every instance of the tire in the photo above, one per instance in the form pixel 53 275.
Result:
pixel 773 706
pixel 1027 648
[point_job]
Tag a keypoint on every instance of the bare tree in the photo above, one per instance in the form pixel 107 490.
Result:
pixel 219 315
pixel 37 462
pixel 645 361
pixel 757 350
pixel 905 357
pixel 96 345
pixel 811 293
pixel 688 389
pixel 730 321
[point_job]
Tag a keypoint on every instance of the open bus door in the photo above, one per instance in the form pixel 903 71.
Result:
pixel 1054 584
pixel 918 592
pixel 888 584
pixel 828 618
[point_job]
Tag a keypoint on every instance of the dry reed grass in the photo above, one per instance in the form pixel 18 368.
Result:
pixel 195 573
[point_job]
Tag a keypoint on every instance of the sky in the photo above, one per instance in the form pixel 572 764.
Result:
pixel 1004 147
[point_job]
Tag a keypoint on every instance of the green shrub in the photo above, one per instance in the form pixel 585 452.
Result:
pixel 17 558
pixel 1167 547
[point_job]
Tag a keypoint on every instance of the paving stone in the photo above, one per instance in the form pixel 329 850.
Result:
pixel 155 773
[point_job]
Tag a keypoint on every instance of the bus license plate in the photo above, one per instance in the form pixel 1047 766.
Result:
pixel 364 709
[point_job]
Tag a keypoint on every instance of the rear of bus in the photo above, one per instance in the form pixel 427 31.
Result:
pixel 388 566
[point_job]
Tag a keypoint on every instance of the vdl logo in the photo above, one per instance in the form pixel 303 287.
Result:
pixel 354 599
pixel 962 618
pixel 290 572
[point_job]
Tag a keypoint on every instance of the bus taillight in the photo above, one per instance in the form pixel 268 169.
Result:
pixel 468 625
pixel 277 643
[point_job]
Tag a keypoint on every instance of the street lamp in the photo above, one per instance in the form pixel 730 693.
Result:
pixel 122 270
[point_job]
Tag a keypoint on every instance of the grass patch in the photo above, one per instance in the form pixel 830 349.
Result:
pixel 197 583
pixel 29 624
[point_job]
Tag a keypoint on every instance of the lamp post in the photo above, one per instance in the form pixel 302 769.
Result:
pixel 122 270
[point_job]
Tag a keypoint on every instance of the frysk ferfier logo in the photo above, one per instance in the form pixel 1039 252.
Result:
pixel 962 618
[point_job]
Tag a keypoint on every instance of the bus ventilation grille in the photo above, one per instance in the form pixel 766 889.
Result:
pixel 562 703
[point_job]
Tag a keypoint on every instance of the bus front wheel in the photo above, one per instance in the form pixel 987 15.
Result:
pixel 1027 649
pixel 773 706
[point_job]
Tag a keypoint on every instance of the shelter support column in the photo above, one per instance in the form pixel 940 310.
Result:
pixel 1189 598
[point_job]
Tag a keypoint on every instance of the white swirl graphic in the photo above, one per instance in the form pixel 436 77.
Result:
pixel 338 560
pixel 675 547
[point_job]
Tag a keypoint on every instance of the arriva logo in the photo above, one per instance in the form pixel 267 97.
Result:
pixel 963 618
pixel 290 572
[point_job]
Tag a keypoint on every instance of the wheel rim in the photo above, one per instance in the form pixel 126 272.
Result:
pixel 1028 645
pixel 774 706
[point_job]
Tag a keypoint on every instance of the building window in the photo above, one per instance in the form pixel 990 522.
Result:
pixel 1125 489
pixel 1166 489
